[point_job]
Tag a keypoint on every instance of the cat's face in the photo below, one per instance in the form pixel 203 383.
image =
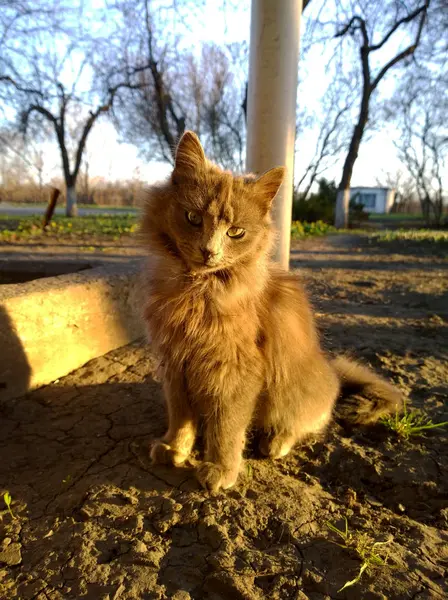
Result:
pixel 216 219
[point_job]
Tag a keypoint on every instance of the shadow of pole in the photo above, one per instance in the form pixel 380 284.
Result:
pixel 15 370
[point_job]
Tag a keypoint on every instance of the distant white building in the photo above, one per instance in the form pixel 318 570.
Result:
pixel 374 199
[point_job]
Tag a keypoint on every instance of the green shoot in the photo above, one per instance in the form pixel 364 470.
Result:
pixel 410 423
pixel 365 549
pixel 7 499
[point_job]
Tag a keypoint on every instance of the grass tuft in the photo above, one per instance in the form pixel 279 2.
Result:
pixel 363 547
pixel 410 423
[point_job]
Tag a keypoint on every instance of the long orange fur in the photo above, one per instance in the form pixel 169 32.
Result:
pixel 235 334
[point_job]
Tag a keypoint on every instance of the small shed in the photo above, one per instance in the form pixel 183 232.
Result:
pixel 375 199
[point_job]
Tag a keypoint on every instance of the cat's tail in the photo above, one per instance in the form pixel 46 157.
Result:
pixel 365 396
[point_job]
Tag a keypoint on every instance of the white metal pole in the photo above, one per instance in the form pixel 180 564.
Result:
pixel 271 103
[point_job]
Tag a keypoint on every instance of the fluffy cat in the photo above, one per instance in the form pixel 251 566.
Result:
pixel 235 334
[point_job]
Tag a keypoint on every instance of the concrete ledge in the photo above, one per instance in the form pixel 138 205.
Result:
pixel 51 326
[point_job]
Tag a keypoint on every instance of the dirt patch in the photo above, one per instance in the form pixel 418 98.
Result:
pixel 93 519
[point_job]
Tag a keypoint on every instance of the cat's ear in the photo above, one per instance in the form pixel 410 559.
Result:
pixel 268 184
pixel 190 156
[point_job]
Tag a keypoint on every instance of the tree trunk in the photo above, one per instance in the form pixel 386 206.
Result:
pixel 438 209
pixel 51 206
pixel 342 208
pixel 71 209
pixel 343 197
pixel 305 193
pixel 425 206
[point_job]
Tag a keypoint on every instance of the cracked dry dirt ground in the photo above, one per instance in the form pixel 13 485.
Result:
pixel 94 520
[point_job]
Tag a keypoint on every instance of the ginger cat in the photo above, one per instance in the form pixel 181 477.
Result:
pixel 235 334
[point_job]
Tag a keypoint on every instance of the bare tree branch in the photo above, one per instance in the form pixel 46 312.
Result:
pixel 408 19
pixel 405 53
pixel 357 23
pixel 20 88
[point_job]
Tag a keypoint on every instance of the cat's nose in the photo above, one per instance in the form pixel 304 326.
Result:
pixel 209 256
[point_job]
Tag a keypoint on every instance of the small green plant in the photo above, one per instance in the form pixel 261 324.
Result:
pixel 7 499
pixel 410 423
pixel 302 229
pixel 364 547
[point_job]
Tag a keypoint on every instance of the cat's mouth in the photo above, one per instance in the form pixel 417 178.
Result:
pixel 206 267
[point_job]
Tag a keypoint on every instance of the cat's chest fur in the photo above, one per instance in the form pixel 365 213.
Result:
pixel 202 318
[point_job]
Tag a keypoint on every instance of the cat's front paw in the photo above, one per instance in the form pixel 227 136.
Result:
pixel 164 454
pixel 276 447
pixel 213 477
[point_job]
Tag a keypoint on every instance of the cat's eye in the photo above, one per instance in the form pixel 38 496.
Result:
pixel 236 232
pixel 194 218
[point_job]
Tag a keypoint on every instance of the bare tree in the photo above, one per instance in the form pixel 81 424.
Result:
pixel 42 105
pixel 420 109
pixel 22 161
pixel 20 18
pixel 332 123
pixel 179 90
pixel 373 28
pixel 405 193
pixel 66 88
pixel 218 106
pixel 85 181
